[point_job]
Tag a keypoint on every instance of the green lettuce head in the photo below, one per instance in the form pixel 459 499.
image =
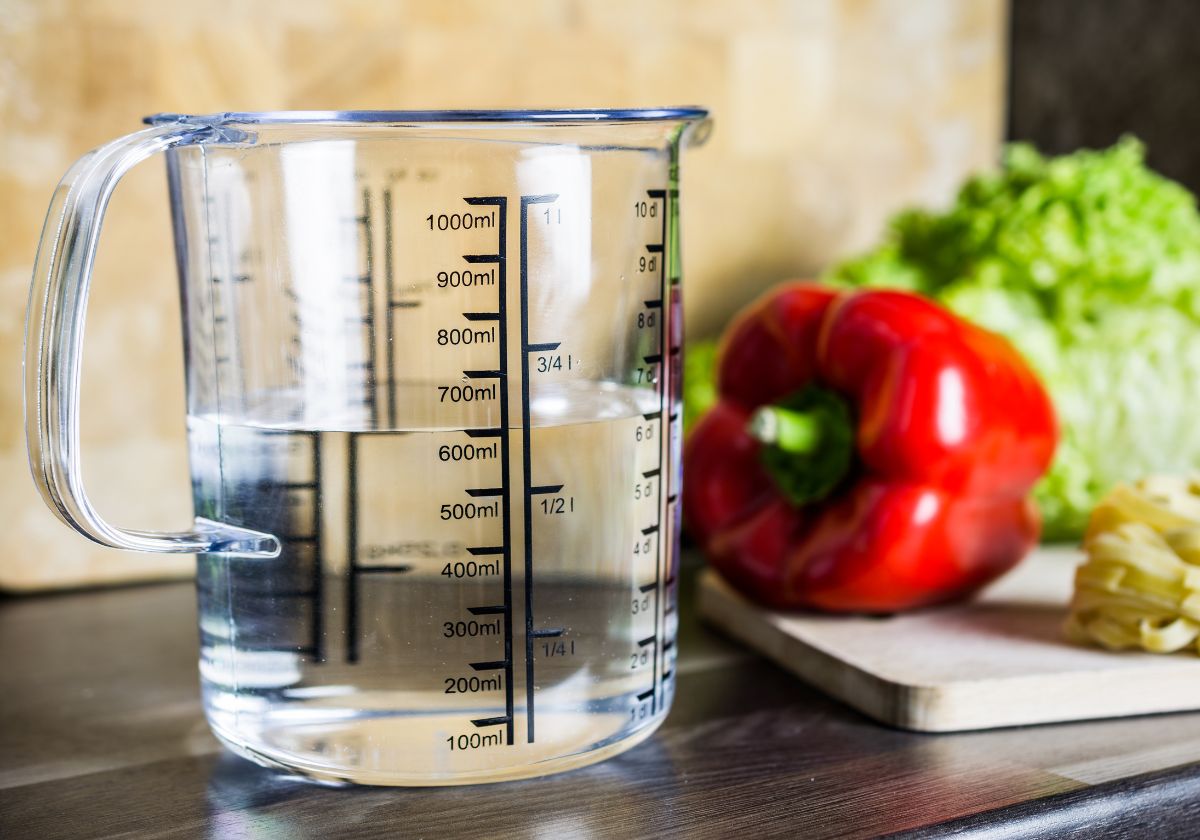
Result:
pixel 1090 264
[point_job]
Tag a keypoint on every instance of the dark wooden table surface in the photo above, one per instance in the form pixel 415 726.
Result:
pixel 101 735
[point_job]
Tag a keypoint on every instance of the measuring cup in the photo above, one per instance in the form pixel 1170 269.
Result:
pixel 433 421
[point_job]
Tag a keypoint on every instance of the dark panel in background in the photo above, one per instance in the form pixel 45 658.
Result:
pixel 1084 72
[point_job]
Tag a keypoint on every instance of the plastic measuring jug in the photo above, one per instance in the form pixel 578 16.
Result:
pixel 432 367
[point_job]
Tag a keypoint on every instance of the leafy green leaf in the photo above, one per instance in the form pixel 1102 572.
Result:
pixel 699 380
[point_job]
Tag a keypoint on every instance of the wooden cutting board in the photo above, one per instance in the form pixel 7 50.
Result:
pixel 998 661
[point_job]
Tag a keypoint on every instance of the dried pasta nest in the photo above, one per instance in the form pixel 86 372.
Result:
pixel 1139 587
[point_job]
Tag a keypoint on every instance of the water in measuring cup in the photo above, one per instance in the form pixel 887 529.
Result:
pixel 450 603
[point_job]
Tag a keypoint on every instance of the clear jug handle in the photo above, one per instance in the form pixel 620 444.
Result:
pixel 54 344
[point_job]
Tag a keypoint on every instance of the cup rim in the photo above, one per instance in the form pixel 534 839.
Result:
pixel 686 113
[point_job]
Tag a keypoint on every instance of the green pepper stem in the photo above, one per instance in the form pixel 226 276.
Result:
pixel 797 432
pixel 808 443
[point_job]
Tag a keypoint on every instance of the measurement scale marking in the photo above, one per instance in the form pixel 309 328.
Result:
pixel 505 549
pixel 545 489
pixel 483 374
pixel 389 315
pixel 478 492
pixel 269 647
pixel 368 279
pixel 661 386
pixel 527 468
pixel 314 592
pixel 262 593
pixel 396 569
pixel 488 666
pixel 492 721
pixel 352 548
pixel 491 609
pixel 482 316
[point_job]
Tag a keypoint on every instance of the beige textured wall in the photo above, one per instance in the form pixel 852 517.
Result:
pixel 829 114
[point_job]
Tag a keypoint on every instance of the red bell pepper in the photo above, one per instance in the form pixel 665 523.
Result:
pixel 869 452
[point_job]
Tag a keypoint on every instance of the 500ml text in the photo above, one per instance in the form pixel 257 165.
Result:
pixel 469 510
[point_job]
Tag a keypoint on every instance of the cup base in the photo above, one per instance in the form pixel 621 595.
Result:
pixel 297 767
